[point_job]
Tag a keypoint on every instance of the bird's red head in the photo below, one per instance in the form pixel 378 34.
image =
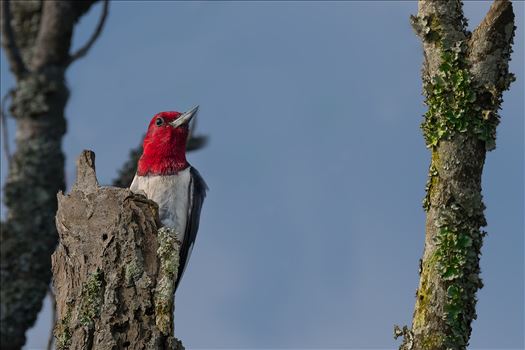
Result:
pixel 165 144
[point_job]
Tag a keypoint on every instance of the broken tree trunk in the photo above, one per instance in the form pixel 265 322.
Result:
pixel 464 76
pixel 113 270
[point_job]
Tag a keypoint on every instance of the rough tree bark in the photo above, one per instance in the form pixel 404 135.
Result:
pixel 464 76
pixel 36 36
pixel 113 270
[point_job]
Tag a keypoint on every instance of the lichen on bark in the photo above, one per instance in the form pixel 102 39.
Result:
pixel 168 254
pixel 134 271
pixel 113 270
pixel 91 298
pixel 459 128
pixel 451 100
pixel 63 331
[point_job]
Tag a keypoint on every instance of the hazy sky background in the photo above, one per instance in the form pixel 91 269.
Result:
pixel 313 226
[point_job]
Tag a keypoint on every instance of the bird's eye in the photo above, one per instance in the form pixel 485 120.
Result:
pixel 159 121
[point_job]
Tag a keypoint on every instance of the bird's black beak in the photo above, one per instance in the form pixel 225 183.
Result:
pixel 185 118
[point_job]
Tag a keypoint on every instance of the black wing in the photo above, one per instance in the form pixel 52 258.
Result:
pixel 197 192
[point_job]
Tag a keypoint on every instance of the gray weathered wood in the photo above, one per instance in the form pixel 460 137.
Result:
pixel 113 270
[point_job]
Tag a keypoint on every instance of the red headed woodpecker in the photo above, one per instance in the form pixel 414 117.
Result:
pixel 166 177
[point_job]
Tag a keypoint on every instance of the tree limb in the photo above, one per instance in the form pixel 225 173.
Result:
pixel 17 64
pixel 490 46
pixel 5 133
pixel 53 40
pixel 84 49
pixel 438 23
pixel 56 27
pixel 464 77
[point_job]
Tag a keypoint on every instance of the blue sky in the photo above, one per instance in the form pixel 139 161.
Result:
pixel 313 226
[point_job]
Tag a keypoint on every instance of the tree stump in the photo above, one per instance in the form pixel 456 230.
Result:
pixel 113 270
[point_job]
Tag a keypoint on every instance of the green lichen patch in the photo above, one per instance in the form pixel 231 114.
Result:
pixel 134 271
pixel 451 99
pixel 164 304
pixel 452 254
pixel 457 256
pixel 63 331
pixel 426 27
pixel 168 255
pixel 91 298
pixel 432 182
pixel 168 251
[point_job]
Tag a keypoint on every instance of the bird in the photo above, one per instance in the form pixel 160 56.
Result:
pixel 165 176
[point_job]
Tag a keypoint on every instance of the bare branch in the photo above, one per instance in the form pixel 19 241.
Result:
pixel 84 49
pixel 18 66
pixel 57 22
pixel 499 15
pixel 54 35
pixel 490 46
pixel 5 133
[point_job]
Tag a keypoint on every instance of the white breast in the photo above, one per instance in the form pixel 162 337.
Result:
pixel 172 194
